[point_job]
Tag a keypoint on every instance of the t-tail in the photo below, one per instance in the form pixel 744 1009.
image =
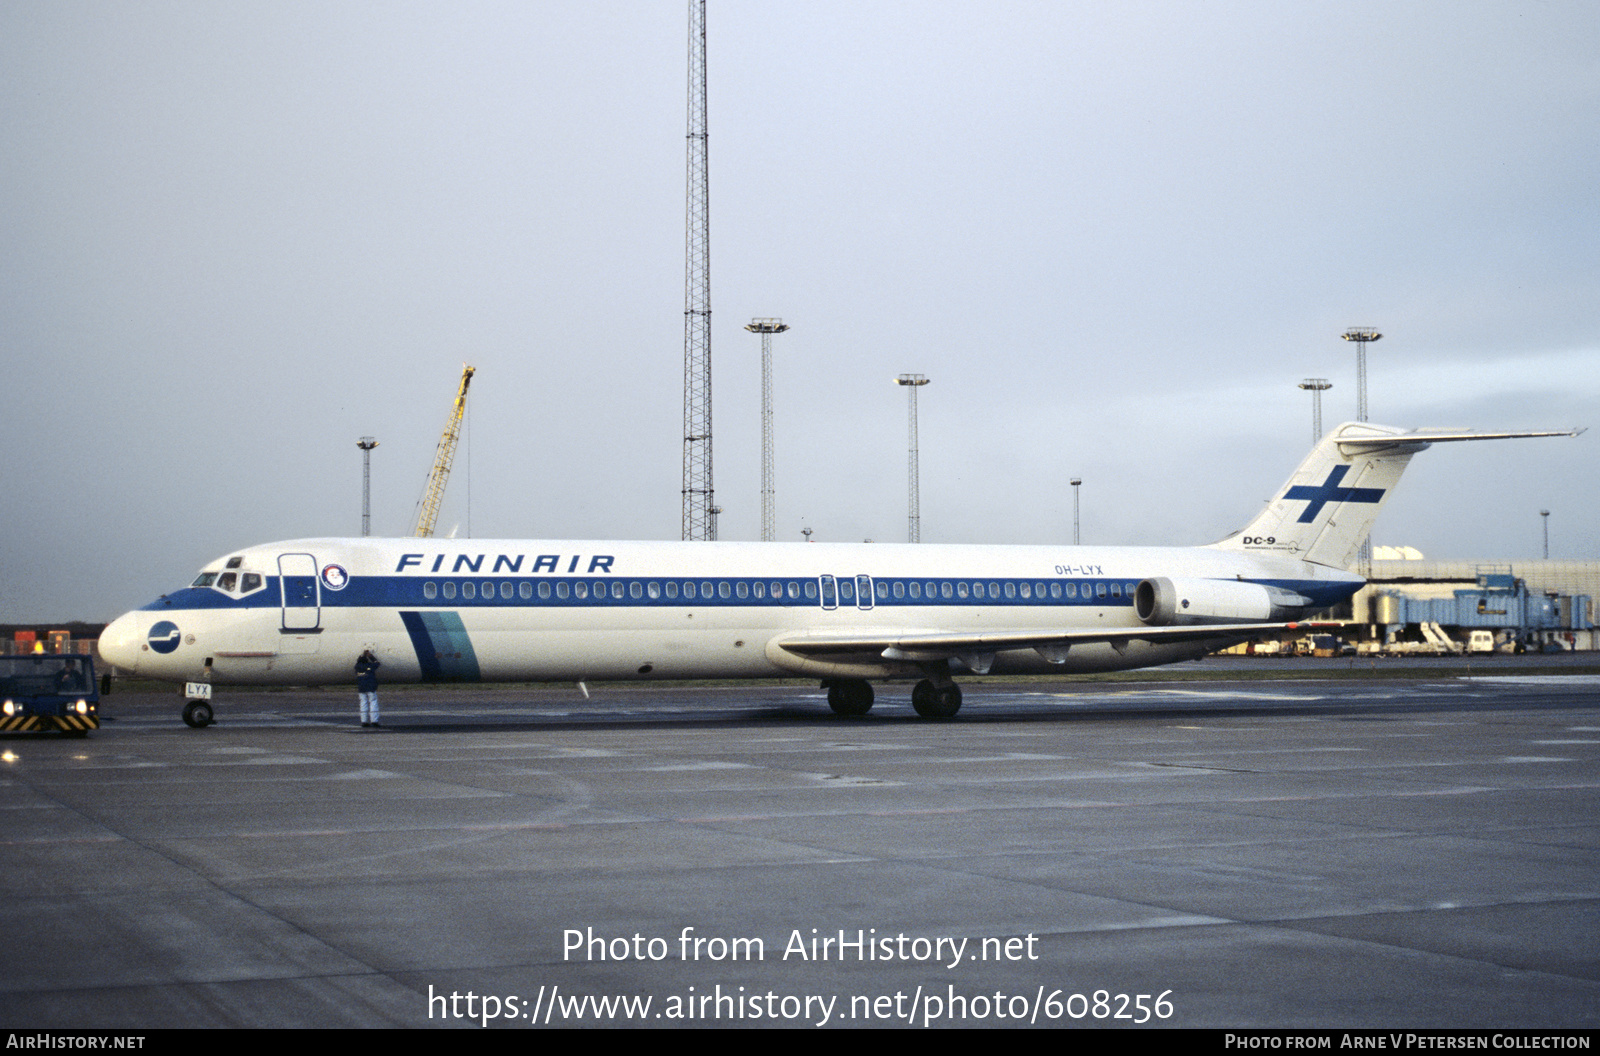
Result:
pixel 1327 507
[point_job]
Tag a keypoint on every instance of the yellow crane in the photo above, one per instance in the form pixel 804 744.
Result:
pixel 428 510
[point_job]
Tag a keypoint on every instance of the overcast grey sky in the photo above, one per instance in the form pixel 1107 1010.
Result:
pixel 1115 236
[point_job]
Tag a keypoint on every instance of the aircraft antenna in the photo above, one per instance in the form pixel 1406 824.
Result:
pixel 1316 386
pixel 698 521
pixel 366 444
pixel 433 495
pixel 913 500
pixel 766 328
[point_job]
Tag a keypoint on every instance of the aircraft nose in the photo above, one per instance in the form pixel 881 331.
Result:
pixel 120 641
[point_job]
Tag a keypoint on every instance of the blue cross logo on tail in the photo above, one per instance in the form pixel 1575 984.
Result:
pixel 1330 491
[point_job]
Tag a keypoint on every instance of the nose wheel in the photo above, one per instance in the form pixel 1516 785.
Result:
pixel 197 713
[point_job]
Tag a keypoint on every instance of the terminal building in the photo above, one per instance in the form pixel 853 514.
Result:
pixel 1527 605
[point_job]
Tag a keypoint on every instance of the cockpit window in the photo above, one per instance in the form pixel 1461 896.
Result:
pixel 235 562
pixel 250 581
pixel 228 581
pixel 205 579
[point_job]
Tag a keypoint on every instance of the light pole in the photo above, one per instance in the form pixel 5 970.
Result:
pixel 1362 336
pixel 1316 386
pixel 766 328
pixel 366 444
pixel 1076 483
pixel 1546 515
pixel 912 382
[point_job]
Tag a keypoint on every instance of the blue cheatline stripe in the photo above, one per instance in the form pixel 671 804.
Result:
pixel 395 592
pixel 444 651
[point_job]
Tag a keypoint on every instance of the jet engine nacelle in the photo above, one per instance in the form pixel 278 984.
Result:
pixel 1161 601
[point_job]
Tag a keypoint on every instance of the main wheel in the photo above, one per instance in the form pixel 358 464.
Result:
pixel 936 702
pixel 850 697
pixel 197 713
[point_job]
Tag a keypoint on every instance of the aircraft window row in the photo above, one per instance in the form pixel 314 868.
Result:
pixel 231 582
pixel 1010 590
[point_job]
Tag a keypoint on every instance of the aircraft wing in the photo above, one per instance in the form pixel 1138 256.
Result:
pixel 977 649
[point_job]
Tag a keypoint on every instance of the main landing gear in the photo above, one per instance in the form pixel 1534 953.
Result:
pixel 849 696
pixel 933 699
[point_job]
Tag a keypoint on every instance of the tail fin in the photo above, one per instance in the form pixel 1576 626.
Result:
pixel 1327 508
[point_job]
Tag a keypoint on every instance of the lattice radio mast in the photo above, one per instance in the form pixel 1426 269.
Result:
pixel 698 521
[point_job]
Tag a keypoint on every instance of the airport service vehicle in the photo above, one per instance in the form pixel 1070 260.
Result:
pixel 471 610
pixel 49 691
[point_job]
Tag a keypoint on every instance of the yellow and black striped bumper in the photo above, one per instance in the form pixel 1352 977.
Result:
pixel 64 723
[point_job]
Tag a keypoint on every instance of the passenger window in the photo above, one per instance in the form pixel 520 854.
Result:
pixel 505 589
pixel 580 590
pixel 741 589
pixel 1116 590
pixel 794 590
pixel 1026 588
pixel 635 590
pixel 811 590
pixel 962 590
pixel 449 589
pixel 722 589
pixel 688 591
pixel 944 590
pixel 847 590
pixel 563 589
pixel 777 590
pixel 469 590
pixel 430 590
pixel 672 589
pixel 653 589
pixel 899 589
pixel 916 589
pixel 1099 590
pixel 544 590
pixel 705 590
pixel 759 589
pixel 1011 589
pixel 525 590
pixel 1055 590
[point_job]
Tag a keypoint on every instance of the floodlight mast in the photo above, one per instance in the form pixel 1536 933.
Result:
pixel 1316 386
pixel 912 382
pixel 1077 539
pixel 366 444
pixel 1362 336
pixel 766 328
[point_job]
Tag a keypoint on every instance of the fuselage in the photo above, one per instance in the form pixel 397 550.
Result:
pixel 300 612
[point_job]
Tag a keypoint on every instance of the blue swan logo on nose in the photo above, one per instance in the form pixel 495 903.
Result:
pixel 164 636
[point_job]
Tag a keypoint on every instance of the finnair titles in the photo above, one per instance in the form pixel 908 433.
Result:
pixel 300 612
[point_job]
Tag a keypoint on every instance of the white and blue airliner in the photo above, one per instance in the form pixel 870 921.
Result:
pixel 482 610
